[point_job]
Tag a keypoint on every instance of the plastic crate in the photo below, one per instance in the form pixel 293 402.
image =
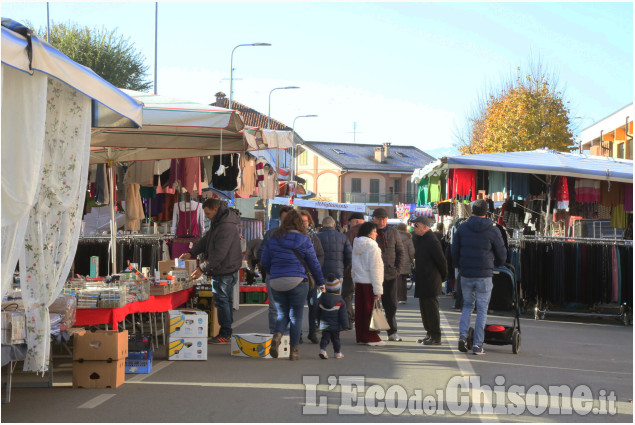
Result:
pixel 255 297
pixel 138 366
pixel 140 355
pixel 139 342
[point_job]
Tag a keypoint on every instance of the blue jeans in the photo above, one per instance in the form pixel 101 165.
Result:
pixel 312 303
pixel 290 305
pixel 477 289
pixel 273 311
pixel 223 289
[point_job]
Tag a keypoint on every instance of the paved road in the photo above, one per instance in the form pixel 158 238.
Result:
pixel 403 382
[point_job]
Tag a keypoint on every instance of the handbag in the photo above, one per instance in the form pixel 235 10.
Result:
pixel 309 275
pixel 378 320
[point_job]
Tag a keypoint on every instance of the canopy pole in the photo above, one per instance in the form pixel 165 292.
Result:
pixel 113 222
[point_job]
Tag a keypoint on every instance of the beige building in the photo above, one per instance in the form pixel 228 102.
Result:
pixel 611 136
pixel 359 173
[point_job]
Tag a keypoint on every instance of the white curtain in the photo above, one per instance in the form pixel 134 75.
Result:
pixel 55 219
pixel 23 116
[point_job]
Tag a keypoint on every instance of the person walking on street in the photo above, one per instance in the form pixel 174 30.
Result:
pixel 348 287
pixel 273 313
pixel 221 244
pixel 251 257
pixel 477 247
pixel 406 269
pixel 337 249
pixel 332 317
pixel 430 270
pixel 312 295
pixel 368 274
pixel 284 257
pixel 393 256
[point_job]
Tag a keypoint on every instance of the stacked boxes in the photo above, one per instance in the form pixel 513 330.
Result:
pixel 187 335
pixel 258 346
pixel 140 354
pixel 206 303
pixel 99 359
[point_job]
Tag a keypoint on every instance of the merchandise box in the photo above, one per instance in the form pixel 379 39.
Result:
pixel 187 348
pixel 160 289
pixel 139 361
pixel 99 374
pixel 165 266
pixel 258 345
pixel 187 323
pixel 100 345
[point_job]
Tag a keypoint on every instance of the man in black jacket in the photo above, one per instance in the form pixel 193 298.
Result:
pixel 221 244
pixel 477 247
pixel 337 249
pixel 430 270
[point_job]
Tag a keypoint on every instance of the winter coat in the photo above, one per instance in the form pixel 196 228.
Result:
pixel 477 247
pixel 317 246
pixel 221 244
pixel 265 238
pixel 409 249
pixel 331 313
pixel 392 252
pixel 431 267
pixel 337 251
pixel 367 265
pixel 351 234
pixel 253 246
pixel 279 260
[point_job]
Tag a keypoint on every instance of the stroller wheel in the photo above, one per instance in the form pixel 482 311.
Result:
pixel 515 341
pixel 470 338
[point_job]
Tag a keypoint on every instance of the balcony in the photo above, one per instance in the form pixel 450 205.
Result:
pixel 379 198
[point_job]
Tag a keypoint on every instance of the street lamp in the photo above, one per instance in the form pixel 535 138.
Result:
pixel 269 119
pixel 231 73
pixel 293 143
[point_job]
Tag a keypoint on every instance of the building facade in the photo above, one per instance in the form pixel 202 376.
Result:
pixel 611 136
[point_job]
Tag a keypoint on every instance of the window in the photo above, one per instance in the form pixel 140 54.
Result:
pixel 356 185
pixel 620 150
pixel 402 155
pixel 396 186
pixel 304 158
pixel 374 190
pixel 339 151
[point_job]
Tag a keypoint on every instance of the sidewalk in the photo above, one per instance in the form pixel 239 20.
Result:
pixel 232 389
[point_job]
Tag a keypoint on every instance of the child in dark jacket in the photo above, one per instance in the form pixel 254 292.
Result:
pixel 332 317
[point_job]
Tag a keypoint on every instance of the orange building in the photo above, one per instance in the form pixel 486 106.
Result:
pixel 611 136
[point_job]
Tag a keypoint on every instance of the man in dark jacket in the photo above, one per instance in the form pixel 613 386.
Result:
pixel 221 244
pixel 430 270
pixel 312 298
pixel 393 254
pixel 337 249
pixel 355 220
pixel 477 247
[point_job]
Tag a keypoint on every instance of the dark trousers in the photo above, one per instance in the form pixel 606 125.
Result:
pixel 348 290
pixel 312 301
pixel 327 337
pixel 402 287
pixel 429 308
pixel 364 300
pixel 458 294
pixel 389 302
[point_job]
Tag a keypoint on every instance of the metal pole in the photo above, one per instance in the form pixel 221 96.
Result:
pixel 48 24
pixel 231 71
pixel 156 29
pixel 113 222
pixel 269 120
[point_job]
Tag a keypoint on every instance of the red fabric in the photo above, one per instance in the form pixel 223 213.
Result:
pixel 112 316
pixel 563 193
pixel 451 184
pixel 465 182
pixel 364 300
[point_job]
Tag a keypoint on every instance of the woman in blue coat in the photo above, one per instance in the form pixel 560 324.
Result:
pixel 288 280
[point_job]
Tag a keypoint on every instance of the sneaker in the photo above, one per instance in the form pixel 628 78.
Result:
pixel 376 343
pixel 478 350
pixel 339 355
pixel 432 342
pixel 394 337
pixel 423 340
pixel 323 355
pixel 313 338
pixel 219 340
pixel 402 302
pixel 462 346
pixel 275 343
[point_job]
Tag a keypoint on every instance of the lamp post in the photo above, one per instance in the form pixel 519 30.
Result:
pixel 293 143
pixel 269 119
pixel 231 73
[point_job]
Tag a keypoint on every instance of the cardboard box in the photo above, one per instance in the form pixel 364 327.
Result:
pixel 166 266
pixel 258 346
pixel 13 327
pixel 100 345
pixel 187 348
pixel 160 289
pixel 99 374
pixel 187 323
pixel 206 303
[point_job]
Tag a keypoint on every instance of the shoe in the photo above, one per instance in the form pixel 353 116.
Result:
pixel 432 342
pixel 423 340
pixel 376 343
pixel 402 302
pixel 313 338
pixel 394 337
pixel 462 346
pixel 295 353
pixel 339 355
pixel 478 350
pixel 323 354
pixel 219 340
pixel 301 341
pixel 275 343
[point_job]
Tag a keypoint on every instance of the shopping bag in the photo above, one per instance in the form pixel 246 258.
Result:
pixel 378 320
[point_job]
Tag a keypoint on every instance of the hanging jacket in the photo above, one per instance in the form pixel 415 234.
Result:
pixel 367 265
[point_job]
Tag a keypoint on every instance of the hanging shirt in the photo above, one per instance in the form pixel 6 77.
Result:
pixel 248 181
pixel 587 190
pixel 435 189
pixel 518 185
pixel 497 189
pixel 184 211
pixel 628 196
pixel 227 178
pixel 465 184
pixel 611 197
pixel 141 172
pixel 563 193
pixel 422 193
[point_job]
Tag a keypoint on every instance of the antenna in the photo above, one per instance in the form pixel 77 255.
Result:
pixel 355 132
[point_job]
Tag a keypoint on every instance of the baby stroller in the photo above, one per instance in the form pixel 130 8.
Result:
pixel 505 297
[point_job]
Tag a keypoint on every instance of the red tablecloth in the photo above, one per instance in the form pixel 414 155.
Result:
pixel 112 316
pixel 252 288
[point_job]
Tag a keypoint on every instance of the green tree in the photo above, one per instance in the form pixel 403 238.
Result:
pixel 111 56
pixel 528 113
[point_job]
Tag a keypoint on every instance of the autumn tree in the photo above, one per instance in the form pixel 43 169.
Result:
pixel 111 56
pixel 527 113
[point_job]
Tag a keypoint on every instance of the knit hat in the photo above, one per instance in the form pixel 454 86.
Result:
pixel 332 284
pixel 480 207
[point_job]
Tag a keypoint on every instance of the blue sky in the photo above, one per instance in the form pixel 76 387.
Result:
pixel 405 73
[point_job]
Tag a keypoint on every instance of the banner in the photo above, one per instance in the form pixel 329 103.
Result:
pixel 321 204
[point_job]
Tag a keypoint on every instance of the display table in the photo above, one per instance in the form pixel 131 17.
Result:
pixel 112 316
pixel 254 288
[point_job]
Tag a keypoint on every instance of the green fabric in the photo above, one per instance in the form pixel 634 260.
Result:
pixel 422 195
pixel 435 189
pixel 147 192
pixel 618 217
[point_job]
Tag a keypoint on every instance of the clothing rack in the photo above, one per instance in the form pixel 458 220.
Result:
pixel 605 241
pixel 127 237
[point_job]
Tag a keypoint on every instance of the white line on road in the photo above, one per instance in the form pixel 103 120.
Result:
pixel 155 368
pixel 91 404
pixel 249 317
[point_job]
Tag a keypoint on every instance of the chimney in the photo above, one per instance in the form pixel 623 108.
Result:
pixel 379 154
pixel 220 99
pixel 386 149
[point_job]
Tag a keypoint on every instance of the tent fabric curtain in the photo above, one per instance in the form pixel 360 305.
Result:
pixel 54 222
pixel 22 149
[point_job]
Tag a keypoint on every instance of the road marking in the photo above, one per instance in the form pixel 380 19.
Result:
pixel 155 368
pixel 249 317
pixel 91 404
pixel 554 367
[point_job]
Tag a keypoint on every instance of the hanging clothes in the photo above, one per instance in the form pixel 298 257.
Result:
pixel 268 187
pixel 102 191
pixel 562 189
pixel 422 192
pixel 435 189
pixel 628 196
pixel 141 172
pixel 187 219
pixel 226 170
pixel 497 189
pixel 537 187
pixel 248 181
pixel 518 184
pixel 587 190
pixel 187 172
pixel 464 184
pixel 134 207
pixel 167 210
